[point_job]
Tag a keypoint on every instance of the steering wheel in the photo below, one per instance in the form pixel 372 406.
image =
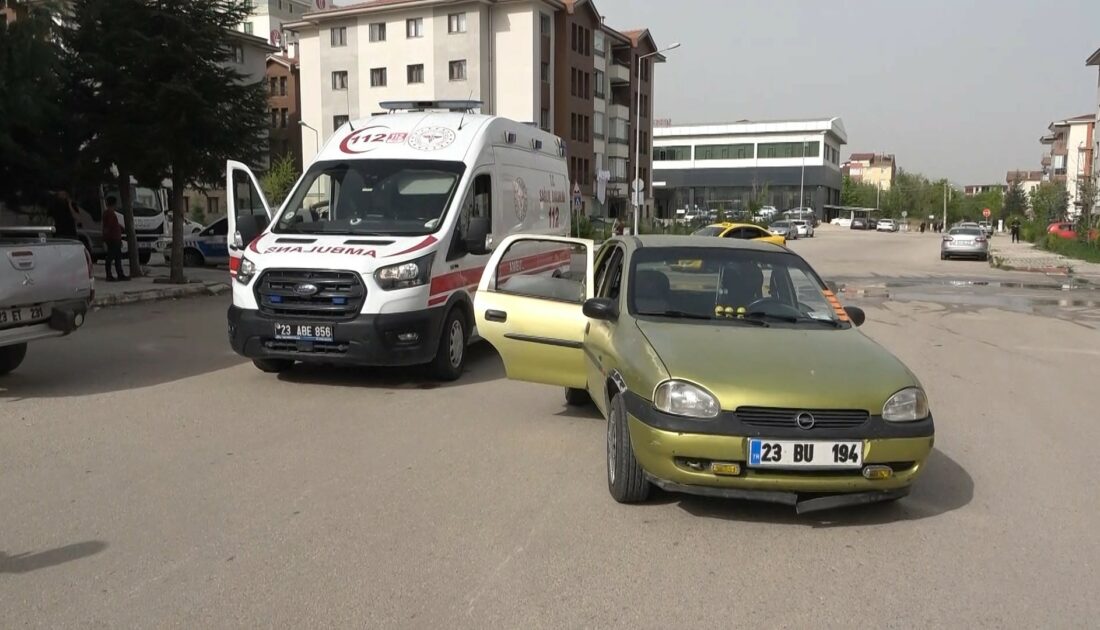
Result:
pixel 772 306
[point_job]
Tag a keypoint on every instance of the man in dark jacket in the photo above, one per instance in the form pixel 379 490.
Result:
pixel 112 240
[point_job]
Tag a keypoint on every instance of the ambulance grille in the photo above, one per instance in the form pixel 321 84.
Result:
pixel 339 294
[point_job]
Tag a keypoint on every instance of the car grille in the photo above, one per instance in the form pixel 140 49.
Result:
pixel 276 345
pixel 776 418
pixel 340 294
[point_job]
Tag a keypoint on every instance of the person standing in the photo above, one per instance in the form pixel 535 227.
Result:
pixel 112 240
pixel 1015 227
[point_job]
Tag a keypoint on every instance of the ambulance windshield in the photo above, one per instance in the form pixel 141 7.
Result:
pixel 371 197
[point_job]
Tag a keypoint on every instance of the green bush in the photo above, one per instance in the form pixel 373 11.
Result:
pixel 1089 252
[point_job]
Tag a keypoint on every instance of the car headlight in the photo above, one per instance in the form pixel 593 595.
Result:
pixel 413 273
pixel 908 405
pixel 246 271
pixel 685 399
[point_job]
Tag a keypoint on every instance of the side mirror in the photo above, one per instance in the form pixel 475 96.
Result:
pixel 249 227
pixel 856 314
pixel 604 309
pixel 478 240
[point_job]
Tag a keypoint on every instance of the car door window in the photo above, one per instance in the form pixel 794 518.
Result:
pixel 549 270
pixel 610 285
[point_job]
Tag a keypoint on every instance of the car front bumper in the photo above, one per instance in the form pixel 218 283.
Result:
pixel 367 340
pixel 678 459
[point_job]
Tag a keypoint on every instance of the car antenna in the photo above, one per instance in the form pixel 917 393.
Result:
pixel 462 120
pixel 347 99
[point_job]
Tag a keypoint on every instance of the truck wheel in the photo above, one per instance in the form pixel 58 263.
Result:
pixel 576 397
pixel 144 257
pixel 450 358
pixel 625 479
pixel 192 258
pixel 11 357
pixel 273 366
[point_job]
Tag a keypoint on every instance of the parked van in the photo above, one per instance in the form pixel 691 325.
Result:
pixel 374 255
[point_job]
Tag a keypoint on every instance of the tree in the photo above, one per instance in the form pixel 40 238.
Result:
pixel 1015 202
pixel 279 179
pixel 1049 201
pixel 1087 191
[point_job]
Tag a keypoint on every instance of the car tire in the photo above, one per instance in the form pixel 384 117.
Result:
pixel 450 357
pixel 273 366
pixel 192 258
pixel 943 256
pixel 625 479
pixel 577 397
pixel 11 357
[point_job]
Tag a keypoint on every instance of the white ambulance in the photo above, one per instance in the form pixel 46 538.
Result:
pixel 374 256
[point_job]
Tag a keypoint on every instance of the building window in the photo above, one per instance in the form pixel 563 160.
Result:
pixel 599 44
pixel 601 78
pixel 414 28
pixel 282 86
pixel 271 89
pixel 572 126
pixel 724 152
pixel 238 53
pixel 544 24
pixel 274 118
pixel 587 85
pixel 544 119
pixel 212 207
pixel 282 117
pixel 545 72
pixel 598 124
pixel 338 36
pixel 572 81
pixel 645 69
pixel 573 37
pixel 785 149
pixel 340 80
pixel 645 105
pixel 339 121
pixel 248 28
pixel 456 23
pixel 672 154
pixel 378 77
pixel 377 32
pixel 457 69
pixel 415 73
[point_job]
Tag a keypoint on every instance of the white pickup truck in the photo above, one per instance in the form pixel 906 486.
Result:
pixel 45 289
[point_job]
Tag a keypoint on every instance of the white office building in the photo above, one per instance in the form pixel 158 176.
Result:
pixel 269 16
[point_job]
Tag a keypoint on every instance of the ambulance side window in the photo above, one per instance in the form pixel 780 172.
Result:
pixel 478 204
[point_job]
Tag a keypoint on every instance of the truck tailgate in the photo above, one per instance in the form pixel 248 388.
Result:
pixel 33 272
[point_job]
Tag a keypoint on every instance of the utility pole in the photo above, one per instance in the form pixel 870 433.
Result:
pixel 945 204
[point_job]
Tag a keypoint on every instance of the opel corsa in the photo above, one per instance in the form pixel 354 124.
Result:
pixel 739 375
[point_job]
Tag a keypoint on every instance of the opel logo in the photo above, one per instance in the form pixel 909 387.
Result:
pixel 306 289
pixel 804 420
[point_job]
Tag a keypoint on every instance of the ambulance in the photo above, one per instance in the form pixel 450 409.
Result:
pixel 374 256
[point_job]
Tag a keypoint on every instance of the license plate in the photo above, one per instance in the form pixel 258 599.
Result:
pixel 800 454
pixel 304 332
pixel 23 315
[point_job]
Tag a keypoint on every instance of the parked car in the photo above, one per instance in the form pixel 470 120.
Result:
pixel 987 227
pixel 45 291
pixel 689 372
pixel 744 231
pixel 784 229
pixel 872 224
pixel 887 225
pixel 964 242
pixel 842 222
pixel 858 223
pixel 209 247
pixel 803 213
pixel 803 228
pixel 1065 229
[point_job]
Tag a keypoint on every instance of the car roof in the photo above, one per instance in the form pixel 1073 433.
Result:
pixel 729 224
pixel 673 240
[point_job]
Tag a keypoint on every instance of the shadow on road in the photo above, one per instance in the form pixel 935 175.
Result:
pixel 27 562
pixel 482 364
pixel 945 486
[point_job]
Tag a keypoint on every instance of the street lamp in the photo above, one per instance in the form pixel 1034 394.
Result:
pixel 316 136
pixel 802 182
pixel 636 196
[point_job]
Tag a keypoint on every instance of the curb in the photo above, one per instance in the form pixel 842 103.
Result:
pixel 166 293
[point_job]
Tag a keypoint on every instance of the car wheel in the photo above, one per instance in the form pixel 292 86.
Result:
pixel 625 479
pixel 144 257
pixel 273 366
pixel 11 357
pixel 576 397
pixel 192 258
pixel 450 358
pixel 943 256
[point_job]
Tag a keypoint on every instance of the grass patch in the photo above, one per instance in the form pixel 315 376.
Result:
pixel 1080 250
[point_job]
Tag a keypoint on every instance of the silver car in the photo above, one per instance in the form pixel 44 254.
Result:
pixel 804 228
pixel 969 242
pixel 784 229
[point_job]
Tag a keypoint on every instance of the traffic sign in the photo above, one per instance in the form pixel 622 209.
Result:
pixel 576 189
pixel 637 185
pixel 986 213
pixel 904 213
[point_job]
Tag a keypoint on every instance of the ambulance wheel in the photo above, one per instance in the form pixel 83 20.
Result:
pixel 144 257
pixel 192 258
pixel 273 366
pixel 577 397
pixel 450 358
pixel 11 357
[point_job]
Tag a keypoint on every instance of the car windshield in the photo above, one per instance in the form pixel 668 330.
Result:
pixel 965 232
pixel 713 230
pixel 371 197
pixel 738 286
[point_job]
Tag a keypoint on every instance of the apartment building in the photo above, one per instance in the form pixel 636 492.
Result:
pixel 1028 180
pixel 725 166
pixel 551 63
pixel 269 16
pixel 284 99
pixel 876 169
pixel 1068 157
pixel 1094 60
pixel 973 190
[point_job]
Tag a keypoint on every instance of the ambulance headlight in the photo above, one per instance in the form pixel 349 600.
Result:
pixel 406 275
pixel 246 271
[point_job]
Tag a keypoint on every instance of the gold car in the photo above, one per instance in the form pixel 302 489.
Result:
pixel 744 378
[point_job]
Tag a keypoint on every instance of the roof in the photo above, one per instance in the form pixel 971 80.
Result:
pixel 252 40
pixel 369 6
pixel 284 61
pixel 1094 59
pixel 832 125
pixel 673 240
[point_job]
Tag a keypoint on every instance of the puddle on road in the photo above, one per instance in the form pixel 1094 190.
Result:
pixel 1069 285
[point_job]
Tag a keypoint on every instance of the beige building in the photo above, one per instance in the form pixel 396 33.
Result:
pixel 1094 60
pixel 269 16
pixel 876 169
pixel 1069 153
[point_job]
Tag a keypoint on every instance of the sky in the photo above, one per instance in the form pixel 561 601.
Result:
pixel 961 89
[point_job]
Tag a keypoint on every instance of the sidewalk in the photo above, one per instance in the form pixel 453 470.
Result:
pixel 1028 257
pixel 201 281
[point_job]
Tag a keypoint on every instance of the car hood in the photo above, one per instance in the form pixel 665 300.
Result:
pixel 780 367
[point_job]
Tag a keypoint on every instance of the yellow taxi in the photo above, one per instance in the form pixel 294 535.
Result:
pixel 746 231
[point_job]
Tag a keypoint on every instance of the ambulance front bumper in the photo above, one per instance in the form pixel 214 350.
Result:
pixel 391 339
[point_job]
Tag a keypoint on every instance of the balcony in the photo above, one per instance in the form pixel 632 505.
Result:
pixel 619 111
pixel 618 149
pixel 618 73
pixel 618 131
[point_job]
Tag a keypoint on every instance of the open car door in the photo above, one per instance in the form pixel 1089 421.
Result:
pixel 246 210
pixel 528 306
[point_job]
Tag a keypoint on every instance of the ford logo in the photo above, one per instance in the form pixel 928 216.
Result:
pixel 306 289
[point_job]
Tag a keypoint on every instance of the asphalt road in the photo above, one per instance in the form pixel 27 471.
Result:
pixel 149 477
